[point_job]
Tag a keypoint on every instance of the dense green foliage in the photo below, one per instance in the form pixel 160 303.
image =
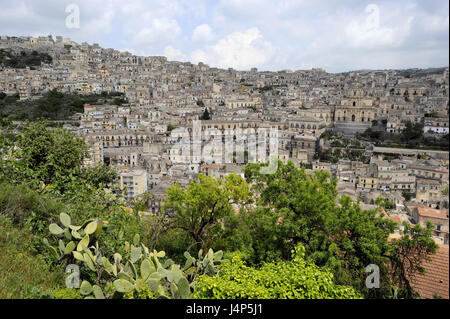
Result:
pixel 411 137
pixel 384 203
pixel 23 59
pixel 27 209
pixel 295 279
pixel 417 73
pixel 333 155
pixel 53 105
pixel 50 158
pixel 138 273
pixel 24 274
pixel 299 208
pixel 199 209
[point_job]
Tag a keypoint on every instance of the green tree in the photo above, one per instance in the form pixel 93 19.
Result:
pixel 199 208
pixel 119 101
pixel 445 191
pixel 408 254
pixel 412 131
pixel 295 207
pixel 50 154
pixel 98 175
pixel 43 156
pixel 384 203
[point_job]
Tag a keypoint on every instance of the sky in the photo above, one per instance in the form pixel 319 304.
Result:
pixel 336 35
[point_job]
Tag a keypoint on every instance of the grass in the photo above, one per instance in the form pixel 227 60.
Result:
pixel 24 273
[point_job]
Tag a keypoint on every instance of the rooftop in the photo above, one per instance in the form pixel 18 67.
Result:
pixel 435 280
pixel 431 212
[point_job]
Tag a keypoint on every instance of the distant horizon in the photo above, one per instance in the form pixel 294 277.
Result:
pixel 338 36
pixel 247 70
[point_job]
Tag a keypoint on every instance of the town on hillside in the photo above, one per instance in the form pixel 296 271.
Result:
pixel 379 133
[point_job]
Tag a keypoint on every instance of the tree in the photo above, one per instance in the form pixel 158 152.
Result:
pixel 408 254
pixel 445 191
pixel 407 195
pixel 119 101
pixel 50 154
pixel 384 203
pixel 98 175
pixel 52 105
pixel 205 116
pixel 411 132
pixel 199 208
pixel 294 207
pixel 50 157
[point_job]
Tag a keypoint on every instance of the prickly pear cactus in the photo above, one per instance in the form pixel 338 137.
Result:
pixel 139 273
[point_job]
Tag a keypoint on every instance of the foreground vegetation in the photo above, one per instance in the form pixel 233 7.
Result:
pixel 284 235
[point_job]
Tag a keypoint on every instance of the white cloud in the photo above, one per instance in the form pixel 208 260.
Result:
pixel 371 34
pixel 240 50
pixel 173 54
pixel 139 9
pixel 330 34
pixel 435 23
pixel 160 30
pixel 102 22
pixel 203 33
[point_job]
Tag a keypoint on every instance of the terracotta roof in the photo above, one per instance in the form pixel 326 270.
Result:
pixel 435 281
pixel 216 166
pixel 395 219
pixel 430 212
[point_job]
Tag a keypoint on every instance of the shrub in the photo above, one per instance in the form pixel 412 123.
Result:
pixel 66 293
pixel 26 208
pixel 24 274
pixel 296 279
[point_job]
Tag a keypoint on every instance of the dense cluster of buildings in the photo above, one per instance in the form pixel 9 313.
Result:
pixel 155 140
